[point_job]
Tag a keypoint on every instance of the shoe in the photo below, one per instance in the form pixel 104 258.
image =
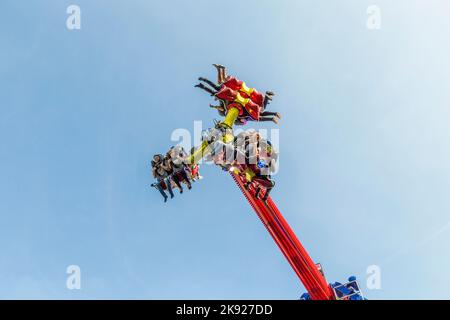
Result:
pixel 165 199
pixel 181 191
pixel 218 66
pixel 270 93
pixel 274 119
pixel 277 115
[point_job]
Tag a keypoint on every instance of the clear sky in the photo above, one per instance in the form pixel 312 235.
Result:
pixel 364 173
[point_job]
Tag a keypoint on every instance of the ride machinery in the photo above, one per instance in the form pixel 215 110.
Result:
pixel 310 274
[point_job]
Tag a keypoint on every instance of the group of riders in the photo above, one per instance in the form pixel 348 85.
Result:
pixel 171 170
pixel 231 92
pixel 250 153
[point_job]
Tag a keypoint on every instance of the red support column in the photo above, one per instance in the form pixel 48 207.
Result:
pixel 290 246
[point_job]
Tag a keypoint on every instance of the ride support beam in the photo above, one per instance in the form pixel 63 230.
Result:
pixel 290 246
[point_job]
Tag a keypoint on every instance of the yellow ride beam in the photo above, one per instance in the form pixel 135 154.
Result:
pixel 226 124
pixel 199 153
pixel 230 118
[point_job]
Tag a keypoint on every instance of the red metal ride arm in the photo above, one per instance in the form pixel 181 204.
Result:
pixel 288 243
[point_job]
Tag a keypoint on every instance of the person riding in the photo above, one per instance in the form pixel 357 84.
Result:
pixel 175 157
pixel 258 159
pixel 161 173
pixel 194 172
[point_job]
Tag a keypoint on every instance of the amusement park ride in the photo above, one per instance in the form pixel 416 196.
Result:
pixel 250 159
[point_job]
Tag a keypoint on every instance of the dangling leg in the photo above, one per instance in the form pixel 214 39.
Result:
pixel 160 189
pixel 220 109
pixel 265 119
pixel 212 84
pixel 186 178
pixel 177 182
pixel 221 73
pixel 268 113
pixel 209 90
pixel 169 187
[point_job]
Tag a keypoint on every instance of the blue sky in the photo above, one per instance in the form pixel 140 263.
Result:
pixel 364 147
